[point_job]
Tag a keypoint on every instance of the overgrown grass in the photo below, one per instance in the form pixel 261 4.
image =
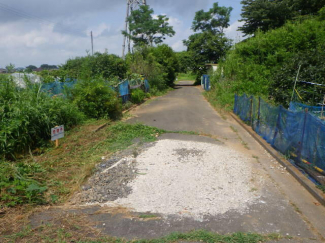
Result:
pixel 27 116
pixel 52 176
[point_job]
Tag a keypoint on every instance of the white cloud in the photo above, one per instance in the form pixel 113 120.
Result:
pixel 233 33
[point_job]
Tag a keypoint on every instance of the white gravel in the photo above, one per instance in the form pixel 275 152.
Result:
pixel 191 179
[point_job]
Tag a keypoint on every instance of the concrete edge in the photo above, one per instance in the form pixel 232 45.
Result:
pixel 305 182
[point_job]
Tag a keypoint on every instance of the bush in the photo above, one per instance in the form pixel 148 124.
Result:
pixel 256 65
pixel 27 116
pixel 96 99
pixel 100 64
pixel 138 96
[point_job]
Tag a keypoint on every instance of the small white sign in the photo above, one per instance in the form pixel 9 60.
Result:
pixel 57 132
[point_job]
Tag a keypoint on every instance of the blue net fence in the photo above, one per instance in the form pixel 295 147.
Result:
pixel 318 111
pixel 300 135
pixel 123 88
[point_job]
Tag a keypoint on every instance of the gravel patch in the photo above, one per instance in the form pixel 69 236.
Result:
pixel 191 179
pixel 111 178
pixel 174 177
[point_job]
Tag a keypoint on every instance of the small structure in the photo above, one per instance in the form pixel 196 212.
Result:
pixel 211 66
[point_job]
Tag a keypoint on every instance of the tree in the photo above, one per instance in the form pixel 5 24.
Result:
pixel 30 68
pixel 209 44
pixel 10 68
pixel 215 20
pixel 166 57
pixel 48 67
pixel 146 30
pixel 185 61
pixel 271 14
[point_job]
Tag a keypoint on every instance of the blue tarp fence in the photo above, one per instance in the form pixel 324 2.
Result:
pixel 205 82
pixel 123 88
pixel 297 134
pixel 315 110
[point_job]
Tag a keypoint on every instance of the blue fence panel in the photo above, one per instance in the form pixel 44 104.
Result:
pixel 243 107
pixel 295 132
pixel 313 146
pixel 289 132
pixel 314 110
pixel 266 125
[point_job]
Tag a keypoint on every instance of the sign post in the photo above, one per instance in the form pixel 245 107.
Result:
pixel 57 133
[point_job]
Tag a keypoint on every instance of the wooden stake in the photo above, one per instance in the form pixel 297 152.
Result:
pixel 57 143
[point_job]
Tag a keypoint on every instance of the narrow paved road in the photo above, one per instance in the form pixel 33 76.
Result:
pixel 283 205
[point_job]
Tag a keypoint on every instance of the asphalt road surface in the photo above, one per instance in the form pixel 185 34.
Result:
pixel 284 206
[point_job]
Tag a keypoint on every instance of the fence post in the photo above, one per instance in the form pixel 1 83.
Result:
pixel 251 111
pixel 303 135
pixel 259 113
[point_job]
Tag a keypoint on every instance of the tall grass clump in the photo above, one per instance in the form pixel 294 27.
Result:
pixel 27 116
pixel 254 66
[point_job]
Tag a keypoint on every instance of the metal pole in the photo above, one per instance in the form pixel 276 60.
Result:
pixel 294 87
pixel 126 27
pixel 321 114
pixel 92 43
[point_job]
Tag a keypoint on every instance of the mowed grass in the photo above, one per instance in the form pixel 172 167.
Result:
pixel 186 77
pixel 65 169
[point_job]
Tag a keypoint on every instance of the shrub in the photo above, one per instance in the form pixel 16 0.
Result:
pixel 266 64
pixel 96 99
pixel 138 96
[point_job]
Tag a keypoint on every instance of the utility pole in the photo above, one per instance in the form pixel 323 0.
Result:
pixel 131 5
pixel 92 43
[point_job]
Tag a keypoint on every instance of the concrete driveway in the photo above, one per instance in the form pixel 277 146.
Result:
pixel 283 205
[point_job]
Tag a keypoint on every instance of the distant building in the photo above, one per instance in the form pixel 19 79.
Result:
pixel 2 70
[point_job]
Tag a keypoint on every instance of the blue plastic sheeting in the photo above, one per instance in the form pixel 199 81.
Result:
pixel 57 88
pixel 124 88
pixel 205 82
pixel 300 134
pixel 146 86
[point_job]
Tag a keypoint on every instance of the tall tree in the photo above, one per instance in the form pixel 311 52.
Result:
pixel 144 29
pixel 215 20
pixel 271 14
pixel 10 68
pixel 209 44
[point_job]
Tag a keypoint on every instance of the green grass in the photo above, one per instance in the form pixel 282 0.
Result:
pixel 147 216
pixel 322 188
pixel 186 77
pixel 66 234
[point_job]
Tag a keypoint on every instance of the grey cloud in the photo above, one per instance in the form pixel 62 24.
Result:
pixel 52 9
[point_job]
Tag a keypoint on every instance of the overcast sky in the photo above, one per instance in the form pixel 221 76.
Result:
pixel 42 31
